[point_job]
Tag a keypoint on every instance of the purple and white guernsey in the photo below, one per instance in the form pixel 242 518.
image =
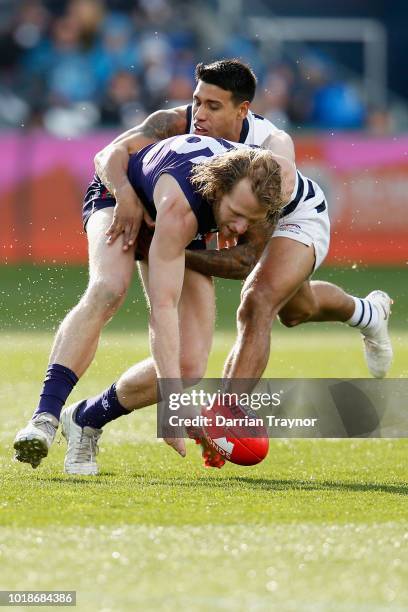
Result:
pixel 188 148
pixel 177 156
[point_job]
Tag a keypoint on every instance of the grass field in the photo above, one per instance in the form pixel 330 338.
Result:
pixel 36 297
pixel 318 526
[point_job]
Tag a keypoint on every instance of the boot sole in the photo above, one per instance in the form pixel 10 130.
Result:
pixel 31 451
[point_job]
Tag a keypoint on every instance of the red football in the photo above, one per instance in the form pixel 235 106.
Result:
pixel 236 433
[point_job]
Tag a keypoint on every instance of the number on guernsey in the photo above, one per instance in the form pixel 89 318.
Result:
pixel 204 146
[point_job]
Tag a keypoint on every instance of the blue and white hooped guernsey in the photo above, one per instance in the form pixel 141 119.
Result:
pixel 306 194
pixel 255 128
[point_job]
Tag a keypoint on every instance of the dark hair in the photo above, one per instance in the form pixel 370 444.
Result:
pixel 231 75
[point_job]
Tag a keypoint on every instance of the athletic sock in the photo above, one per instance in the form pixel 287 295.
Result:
pixel 99 410
pixel 365 316
pixel 58 384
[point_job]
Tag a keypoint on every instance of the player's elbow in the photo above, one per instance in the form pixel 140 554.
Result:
pixel 110 153
pixel 286 144
pixel 98 160
pixel 102 159
pixel 283 145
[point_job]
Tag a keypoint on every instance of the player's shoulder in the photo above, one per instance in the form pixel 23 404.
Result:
pixel 260 128
pixel 262 122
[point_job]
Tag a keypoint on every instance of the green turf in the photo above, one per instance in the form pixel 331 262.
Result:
pixel 318 526
pixel 37 297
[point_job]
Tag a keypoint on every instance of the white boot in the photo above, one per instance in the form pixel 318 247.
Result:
pixel 377 343
pixel 80 457
pixel 33 442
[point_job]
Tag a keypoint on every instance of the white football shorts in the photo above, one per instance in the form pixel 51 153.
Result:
pixel 309 223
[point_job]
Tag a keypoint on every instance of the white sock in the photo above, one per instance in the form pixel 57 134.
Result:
pixel 365 316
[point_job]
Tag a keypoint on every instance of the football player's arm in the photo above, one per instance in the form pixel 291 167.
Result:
pixel 280 143
pixel 236 262
pixel 111 165
pixel 176 226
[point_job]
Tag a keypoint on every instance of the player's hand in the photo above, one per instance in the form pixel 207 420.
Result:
pixel 178 444
pixel 226 243
pixel 127 217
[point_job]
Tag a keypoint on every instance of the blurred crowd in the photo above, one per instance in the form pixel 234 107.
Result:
pixel 80 64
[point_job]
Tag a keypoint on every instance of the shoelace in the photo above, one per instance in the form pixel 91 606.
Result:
pixel 376 344
pixel 46 425
pixel 86 447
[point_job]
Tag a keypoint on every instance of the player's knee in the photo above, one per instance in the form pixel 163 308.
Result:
pixel 107 295
pixel 256 306
pixel 193 367
pixel 291 319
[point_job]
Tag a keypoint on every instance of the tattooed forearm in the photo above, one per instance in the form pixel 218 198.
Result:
pixel 111 163
pixel 235 263
pixel 164 124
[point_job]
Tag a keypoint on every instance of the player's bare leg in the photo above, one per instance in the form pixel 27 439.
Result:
pixel 138 386
pixel 320 301
pixel 283 268
pixel 271 291
pixel 317 301
pixel 110 273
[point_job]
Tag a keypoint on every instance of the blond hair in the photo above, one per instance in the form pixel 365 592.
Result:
pixel 219 175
